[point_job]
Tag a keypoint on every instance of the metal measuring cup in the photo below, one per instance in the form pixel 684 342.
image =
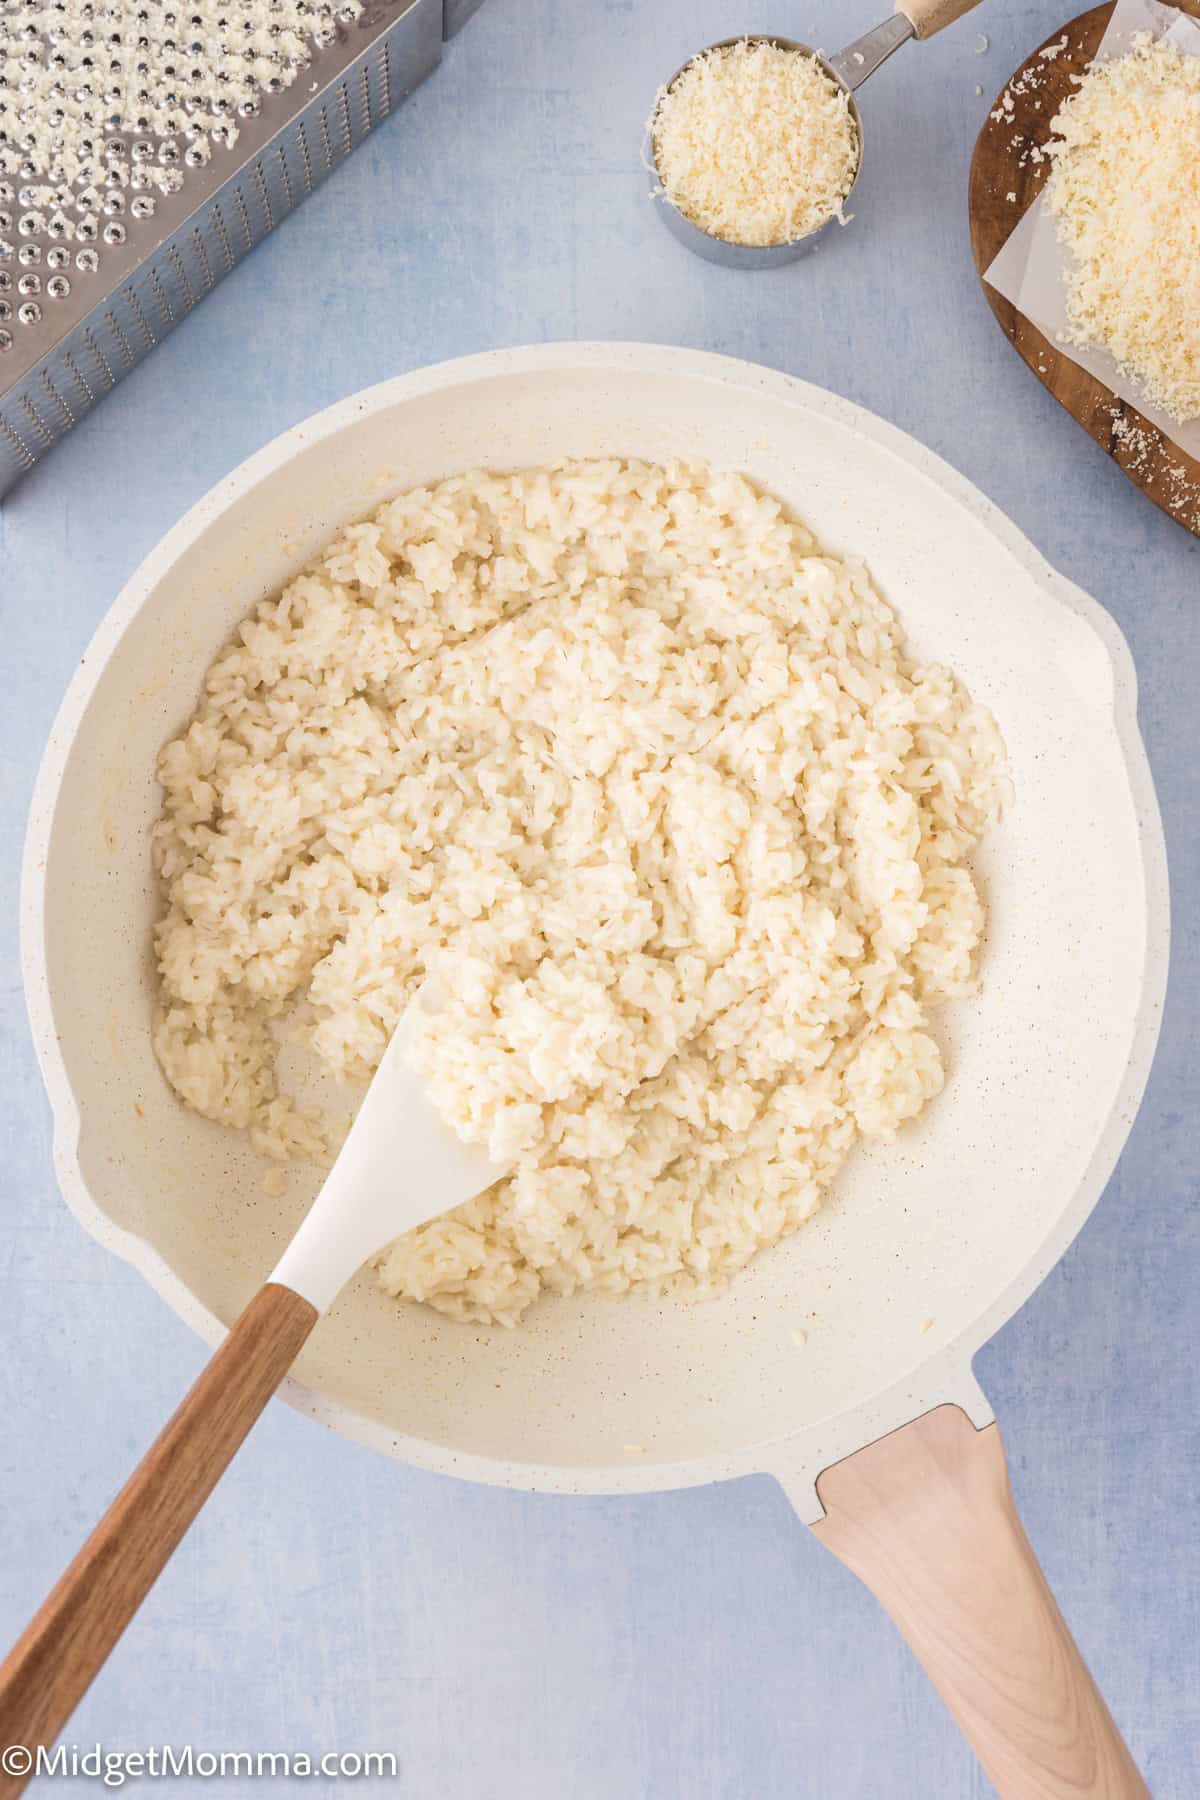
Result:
pixel 848 70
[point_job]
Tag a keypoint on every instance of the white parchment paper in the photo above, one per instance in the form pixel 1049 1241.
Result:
pixel 1030 270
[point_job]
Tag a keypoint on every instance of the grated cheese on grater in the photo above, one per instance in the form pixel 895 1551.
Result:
pixel 755 144
pixel 101 96
pixel 1125 190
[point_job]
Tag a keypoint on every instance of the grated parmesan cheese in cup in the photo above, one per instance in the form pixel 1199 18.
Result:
pixel 755 144
pixel 1125 191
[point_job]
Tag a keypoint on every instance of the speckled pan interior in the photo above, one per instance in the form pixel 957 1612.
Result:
pixel 874 1310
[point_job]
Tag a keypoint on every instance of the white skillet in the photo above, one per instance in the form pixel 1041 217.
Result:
pixel 927 1246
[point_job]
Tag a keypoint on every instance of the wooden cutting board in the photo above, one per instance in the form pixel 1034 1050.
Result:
pixel 1149 458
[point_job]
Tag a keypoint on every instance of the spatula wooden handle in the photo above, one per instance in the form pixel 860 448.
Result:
pixel 69 1639
pixel 925 1517
pixel 928 16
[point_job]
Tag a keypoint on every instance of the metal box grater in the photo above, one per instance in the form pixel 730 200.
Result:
pixel 69 331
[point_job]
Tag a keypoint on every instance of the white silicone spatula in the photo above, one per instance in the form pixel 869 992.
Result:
pixel 400 1166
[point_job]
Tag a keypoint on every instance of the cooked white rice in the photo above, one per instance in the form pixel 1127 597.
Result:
pixel 651 785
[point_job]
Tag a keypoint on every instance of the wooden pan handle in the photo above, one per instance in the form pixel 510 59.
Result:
pixel 928 16
pixel 67 1642
pixel 925 1517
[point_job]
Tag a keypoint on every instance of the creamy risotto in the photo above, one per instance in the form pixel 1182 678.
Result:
pixel 652 786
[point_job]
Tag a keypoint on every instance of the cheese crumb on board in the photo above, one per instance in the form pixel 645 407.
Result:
pixel 755 144
pixel 1125 193
pixel 1146 452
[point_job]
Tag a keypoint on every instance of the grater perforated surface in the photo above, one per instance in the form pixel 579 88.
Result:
pixel 95 272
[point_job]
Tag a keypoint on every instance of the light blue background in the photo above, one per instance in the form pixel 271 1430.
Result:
pixel 698 1645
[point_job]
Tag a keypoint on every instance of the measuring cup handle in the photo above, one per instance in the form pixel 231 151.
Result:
pixel 925 1517
pixel 928 16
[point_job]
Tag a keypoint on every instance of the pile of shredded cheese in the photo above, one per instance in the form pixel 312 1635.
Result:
pixel 755 144
pixel 1125 191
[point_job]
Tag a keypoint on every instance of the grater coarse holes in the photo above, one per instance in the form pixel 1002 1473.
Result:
pixel 145 147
